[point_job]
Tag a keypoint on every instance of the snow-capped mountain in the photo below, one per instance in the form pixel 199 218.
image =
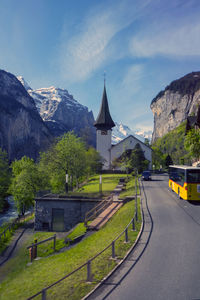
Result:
pixel 24 83
pixel 146 134
pixel 121 131
pixel 22 131
pixel 61 112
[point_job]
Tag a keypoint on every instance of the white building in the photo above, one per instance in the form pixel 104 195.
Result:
pixel 109 152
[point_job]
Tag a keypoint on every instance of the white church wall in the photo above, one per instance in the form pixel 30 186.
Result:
pixel 129 143
pixel 104 145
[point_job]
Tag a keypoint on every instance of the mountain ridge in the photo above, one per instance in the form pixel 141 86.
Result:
pixel 175 103
pixel 22 131
pixel 62 113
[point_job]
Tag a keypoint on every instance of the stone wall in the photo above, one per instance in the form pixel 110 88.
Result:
pixel 74 211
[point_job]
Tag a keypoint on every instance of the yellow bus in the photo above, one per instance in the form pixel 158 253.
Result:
pixel 185 181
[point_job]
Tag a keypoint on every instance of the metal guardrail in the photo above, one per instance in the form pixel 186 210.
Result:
pixel 88 266
pixel 33 248
pixel 95 211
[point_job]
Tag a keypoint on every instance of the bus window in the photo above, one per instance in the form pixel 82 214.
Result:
pixel 193 176
pixel 181 177
pixel 177 175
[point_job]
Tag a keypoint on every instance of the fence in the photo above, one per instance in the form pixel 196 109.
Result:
pixel 88 264
pixel 95 211
pixel 33 248
pixel 8 229
pixel 11 226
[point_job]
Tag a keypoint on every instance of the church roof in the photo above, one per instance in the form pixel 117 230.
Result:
pixel 104 120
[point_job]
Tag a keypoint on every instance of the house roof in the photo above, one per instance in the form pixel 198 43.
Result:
pixel 135 139
pixel 104 120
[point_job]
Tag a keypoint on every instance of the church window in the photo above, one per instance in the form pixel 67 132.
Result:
pixel 103 132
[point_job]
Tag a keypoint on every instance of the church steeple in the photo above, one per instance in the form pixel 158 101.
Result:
pixel 104 120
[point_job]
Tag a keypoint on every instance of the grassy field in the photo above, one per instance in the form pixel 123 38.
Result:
pixel 109 182
pixel 130 188
pixel 21 280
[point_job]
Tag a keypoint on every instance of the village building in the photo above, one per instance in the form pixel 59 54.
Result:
pixel 109 152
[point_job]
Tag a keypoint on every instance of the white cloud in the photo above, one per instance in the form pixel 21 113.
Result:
pixel 87 50
pixel 183 40
pixel 131 82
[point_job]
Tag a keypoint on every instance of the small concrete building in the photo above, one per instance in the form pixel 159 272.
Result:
pixel 109 152
pixel 56 213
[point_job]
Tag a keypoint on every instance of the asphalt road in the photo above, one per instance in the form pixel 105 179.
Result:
pixel 169 267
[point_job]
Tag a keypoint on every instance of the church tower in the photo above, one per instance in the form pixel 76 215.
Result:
pixel 104 124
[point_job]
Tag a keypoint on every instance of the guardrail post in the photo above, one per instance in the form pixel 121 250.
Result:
pixel 136 215
pixel 113 249
pixel 35 249
pixel 126 235
pixel 133 224
pixel 54 243
pixel 89 277
pixel 31 252
pixel 43 294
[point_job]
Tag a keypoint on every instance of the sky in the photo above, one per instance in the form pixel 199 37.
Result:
pixel 141 46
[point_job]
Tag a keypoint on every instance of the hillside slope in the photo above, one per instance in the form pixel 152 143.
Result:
pixel 172 143
pixel 22 131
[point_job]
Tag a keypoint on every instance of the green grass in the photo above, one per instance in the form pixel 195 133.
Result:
pixel 109 182
pixel 130 188
pixel 5 240
pixel 23 281
pixel 78 230
pixel 45 249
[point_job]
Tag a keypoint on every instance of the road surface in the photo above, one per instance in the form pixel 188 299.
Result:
pixel 169 265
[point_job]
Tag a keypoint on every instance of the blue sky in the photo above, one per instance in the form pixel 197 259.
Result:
pixel 142 45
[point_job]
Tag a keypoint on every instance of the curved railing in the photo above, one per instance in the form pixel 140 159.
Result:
pixel 87 264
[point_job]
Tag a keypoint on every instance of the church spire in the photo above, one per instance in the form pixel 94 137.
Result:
pixel 104 120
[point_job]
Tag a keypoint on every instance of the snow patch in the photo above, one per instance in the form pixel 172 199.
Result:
pixel 121 131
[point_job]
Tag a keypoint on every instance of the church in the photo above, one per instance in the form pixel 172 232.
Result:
pixel 109 152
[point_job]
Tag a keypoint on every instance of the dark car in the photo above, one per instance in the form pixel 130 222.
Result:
pixel 146 175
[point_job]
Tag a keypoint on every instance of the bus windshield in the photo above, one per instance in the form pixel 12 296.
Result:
pixel 193 176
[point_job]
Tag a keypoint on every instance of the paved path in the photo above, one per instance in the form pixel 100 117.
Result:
pixel 16 240
pixel 169 265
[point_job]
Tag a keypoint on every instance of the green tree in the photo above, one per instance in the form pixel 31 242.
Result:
pixel 168 161
pixel 134 159
pixel 192 143
pixel 173 144
pixel 4 177
pixel 138 160
pixel 146 142
pixel 25 183
pixel 93 161
pixel 68 155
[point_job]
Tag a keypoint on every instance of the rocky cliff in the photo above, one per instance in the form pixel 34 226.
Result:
pixel 172 106
pixel 62 113
pixel 22 131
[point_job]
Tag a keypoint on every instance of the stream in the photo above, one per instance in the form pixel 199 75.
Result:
pixel 10 213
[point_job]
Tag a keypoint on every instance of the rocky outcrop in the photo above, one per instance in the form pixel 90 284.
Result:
pixel 62 113
pixel 173 105
pixel 22 131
